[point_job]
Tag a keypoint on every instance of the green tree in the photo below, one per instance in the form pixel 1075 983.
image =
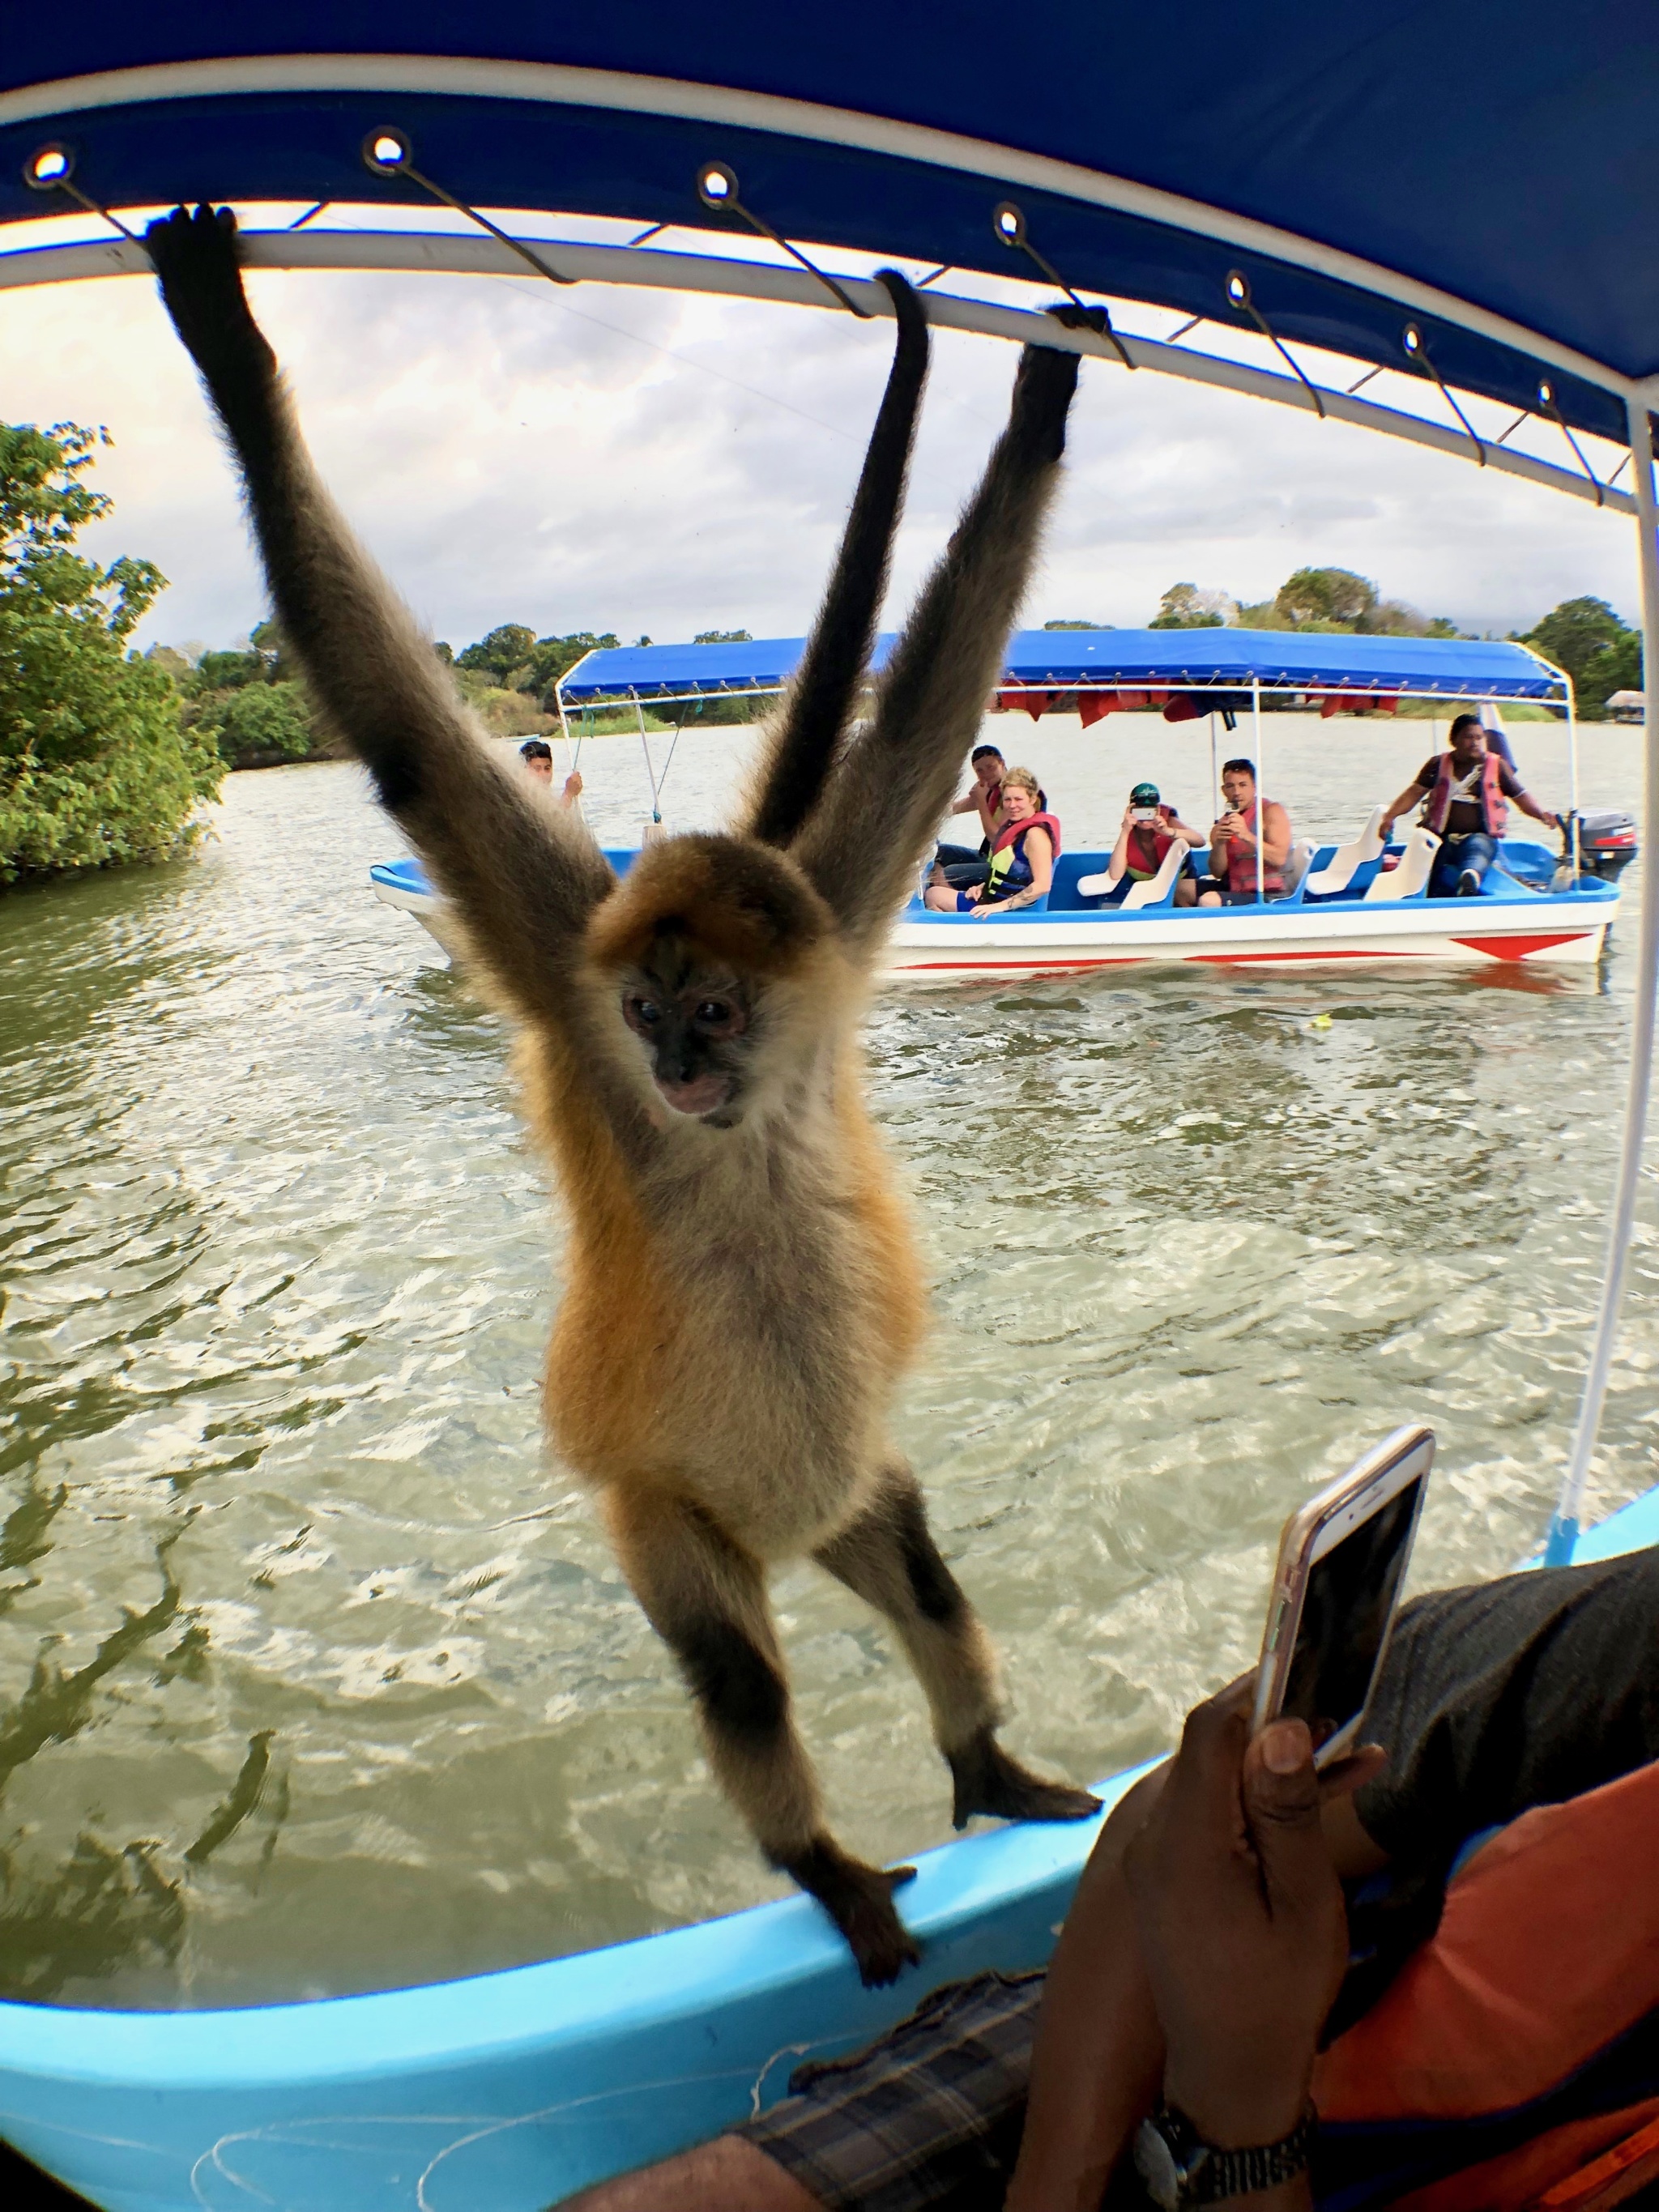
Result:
pixel 1076 625
pixel 723 637
pixel 261 724
pixel 95 764
pixel 1327 599
pixel 1616 668
pixel 1573 634
pixel 1184 606
pixel 499 655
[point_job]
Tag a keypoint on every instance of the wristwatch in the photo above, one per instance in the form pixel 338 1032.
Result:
pixel 1180 2169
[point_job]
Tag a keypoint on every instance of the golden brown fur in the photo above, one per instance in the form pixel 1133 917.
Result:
pixel 743 1295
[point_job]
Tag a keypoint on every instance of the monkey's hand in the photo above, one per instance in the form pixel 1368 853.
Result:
pixel 859 1898
pixel 987 1781
pixel 198 259
pixel 1046 383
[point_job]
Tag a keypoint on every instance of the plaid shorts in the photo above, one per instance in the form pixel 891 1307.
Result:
pixel 930 2115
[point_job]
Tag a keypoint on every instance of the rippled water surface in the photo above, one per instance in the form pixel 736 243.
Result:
pixel 315 1674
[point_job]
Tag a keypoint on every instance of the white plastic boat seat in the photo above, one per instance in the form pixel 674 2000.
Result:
pixel 1078 883
pixel 1296 869
pixel 1159 890
pixel 1411 878
pixel 1338 872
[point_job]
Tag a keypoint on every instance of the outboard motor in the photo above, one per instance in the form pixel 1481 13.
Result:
pixel 1607 841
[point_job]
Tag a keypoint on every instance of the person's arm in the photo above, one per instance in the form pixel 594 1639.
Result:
pixel 1239 1915
pixel 1099 2055
pixel 1411 796
pixel 1190 837
pixel 573 788
pixel 968 803
pixel 1276 839
pixel 1120 860
pixel 1040 859
pixel 1528 804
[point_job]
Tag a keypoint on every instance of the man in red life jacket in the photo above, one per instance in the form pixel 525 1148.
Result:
pixel 1248 845
pixel 958 866
pixel 1464 794
pixel 1143 838
pixel 1210 1932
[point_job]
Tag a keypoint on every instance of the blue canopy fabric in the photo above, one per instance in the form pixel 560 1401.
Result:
pixel 1504 158
pixel 1135 659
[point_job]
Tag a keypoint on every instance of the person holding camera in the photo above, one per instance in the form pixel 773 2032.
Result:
pixel 1249 845
pixel 1148 830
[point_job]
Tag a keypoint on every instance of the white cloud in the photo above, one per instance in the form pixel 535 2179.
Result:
pixel 637 462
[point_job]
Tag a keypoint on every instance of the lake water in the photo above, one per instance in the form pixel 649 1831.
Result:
pixel 315 1673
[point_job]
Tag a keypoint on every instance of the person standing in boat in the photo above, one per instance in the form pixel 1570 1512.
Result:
pixel 958 866
pixel 538 756
pixel 1023 855
pixel 1237 876
pixel 1148 830
pixel 1465 794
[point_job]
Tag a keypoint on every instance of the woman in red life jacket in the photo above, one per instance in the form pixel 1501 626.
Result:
pixel 1466 791
pixel 1022 854
pixel 1148 830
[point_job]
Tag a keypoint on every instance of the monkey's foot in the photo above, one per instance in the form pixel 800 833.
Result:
pixel 988 1780
pixel 859 1898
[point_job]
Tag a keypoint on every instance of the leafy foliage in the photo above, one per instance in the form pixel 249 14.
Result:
pixel 723 637
pixel 95 765
pixel 512 658
pixel 1601 655
pixel 252 703
pixel 1184 606
pixel 1079 625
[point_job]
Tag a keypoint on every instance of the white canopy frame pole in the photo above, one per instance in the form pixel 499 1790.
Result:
pixel 1562 1537
pixel 1572 770
pixel 1260 795
pixel 645 747
pixel 1215 771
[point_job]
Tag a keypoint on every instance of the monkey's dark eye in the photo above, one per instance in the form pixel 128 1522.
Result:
pixel 645 1013
pixel 714 1012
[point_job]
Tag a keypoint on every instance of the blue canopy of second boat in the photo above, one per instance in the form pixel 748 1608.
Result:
pixel 1064 661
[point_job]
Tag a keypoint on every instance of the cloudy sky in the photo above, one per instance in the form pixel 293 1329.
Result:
pixel 610 461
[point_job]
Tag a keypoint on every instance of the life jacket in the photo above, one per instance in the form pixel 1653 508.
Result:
pixel 1242 865
pixel 1148 843
pixel 1494 807
pixel 1514 2060
pixel 1010 871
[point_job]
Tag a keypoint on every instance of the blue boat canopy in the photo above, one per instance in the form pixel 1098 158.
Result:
pixel 1459 192
pixel 1061 661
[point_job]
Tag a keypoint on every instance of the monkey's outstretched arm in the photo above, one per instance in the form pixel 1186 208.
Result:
pixel 523 875
pixel 821 697
pixel 884 800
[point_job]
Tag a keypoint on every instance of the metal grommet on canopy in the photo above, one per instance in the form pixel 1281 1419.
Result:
pixel 1240 297
pixel 390 152
pixel 1417 352
pixel 717 188
pixel 1009 224
pixel 48 168
pixel 51 168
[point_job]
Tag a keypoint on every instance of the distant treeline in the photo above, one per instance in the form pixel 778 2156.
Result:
pixel 1602 653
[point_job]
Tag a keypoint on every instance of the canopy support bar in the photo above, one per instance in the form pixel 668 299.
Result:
pixel 1559 1544
pixel 458 255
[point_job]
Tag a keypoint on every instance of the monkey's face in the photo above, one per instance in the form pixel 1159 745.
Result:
pixel 693 1017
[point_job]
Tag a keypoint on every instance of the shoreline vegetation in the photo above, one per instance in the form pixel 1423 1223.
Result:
pixel 106 753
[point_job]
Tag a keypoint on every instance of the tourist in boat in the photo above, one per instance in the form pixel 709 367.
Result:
pixel 1236 876
pixel 538 756
pixel 1021 866
pixel 1535 1694
pixel 1465 794
pixel 959 866
pixel 1148 830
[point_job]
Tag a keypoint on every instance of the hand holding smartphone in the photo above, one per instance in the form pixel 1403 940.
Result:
pixel 1342 1562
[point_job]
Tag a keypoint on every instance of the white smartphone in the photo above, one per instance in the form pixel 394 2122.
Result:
pixel 1342 1561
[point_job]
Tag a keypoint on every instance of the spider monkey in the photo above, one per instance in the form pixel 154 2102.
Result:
pixel 743 1295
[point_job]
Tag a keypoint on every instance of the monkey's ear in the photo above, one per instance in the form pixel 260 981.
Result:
pixel 723 895
pixel 822 696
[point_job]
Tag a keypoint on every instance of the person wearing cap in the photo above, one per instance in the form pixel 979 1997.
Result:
pixel 538 756
pixel 1148 830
